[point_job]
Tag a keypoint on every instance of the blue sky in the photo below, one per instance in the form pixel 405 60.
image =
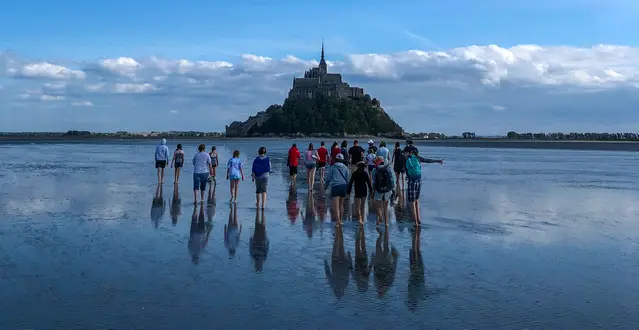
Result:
pixel 75 34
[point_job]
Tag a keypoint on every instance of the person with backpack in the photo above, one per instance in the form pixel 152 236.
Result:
pixel 259 175
pixel 383 187
pixel 414 181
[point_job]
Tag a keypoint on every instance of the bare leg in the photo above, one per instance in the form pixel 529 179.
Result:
pixel 194 196
pixel 418 217
pixel 159 177
pixel 263 200
pixel 162 170
pixel 362 210
pixel 214 171
pixel 175 175
pixel 385 210
pixel 237 186
pixel 257 200
pixel 335 209
pixel 378 207
pixel 231 189
pixel 202 192
pixel 341 209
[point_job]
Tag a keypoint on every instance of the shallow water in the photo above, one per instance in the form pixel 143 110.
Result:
pixel 512 239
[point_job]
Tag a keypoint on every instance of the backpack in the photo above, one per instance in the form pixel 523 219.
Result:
pixel 383 180
pixel 413 168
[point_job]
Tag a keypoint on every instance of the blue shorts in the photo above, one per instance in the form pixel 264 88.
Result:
pixel 234 177
pixel 199 181
pixel 339 190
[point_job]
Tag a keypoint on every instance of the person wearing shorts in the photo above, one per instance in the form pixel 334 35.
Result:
pixel 161 158
pixel 382 198
pixel 259 173
pixel 337 181
pixel 362 183
pixel 323 155
pixel 201 170
pixel 293 162
pixel 235 172
pixel 178 162
pixel 215 160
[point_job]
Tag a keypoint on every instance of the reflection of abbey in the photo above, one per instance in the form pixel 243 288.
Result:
pixel 317 81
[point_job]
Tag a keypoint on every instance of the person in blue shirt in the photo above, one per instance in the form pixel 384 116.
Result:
pixel 161 158
pixel 259 175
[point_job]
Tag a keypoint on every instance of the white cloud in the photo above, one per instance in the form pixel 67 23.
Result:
pixel 48 98
pixel 542 88
pixel 134 88
pixel 82 104
pixel 46 71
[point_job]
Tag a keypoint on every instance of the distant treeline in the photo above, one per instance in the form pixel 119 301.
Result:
pixel 574 136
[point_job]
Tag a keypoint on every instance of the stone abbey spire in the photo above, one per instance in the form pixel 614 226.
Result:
pixel 322 65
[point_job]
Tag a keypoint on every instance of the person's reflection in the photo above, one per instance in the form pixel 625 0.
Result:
pixel 157 206
pixel 416 279
pixel 175 204
pixel 362 267
pixel 258 243
pixel 384 263
pixel 308 217
pixel 341 264
pixel 320 204
pixel 232 232
pixel 211 199
pixel 292 207
pixel 198 236
pixel 400 209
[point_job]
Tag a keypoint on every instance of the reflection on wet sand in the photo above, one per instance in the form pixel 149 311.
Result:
pixel 338 272
pixel 308 215
pixel 199 233
pixel 175 205
pixel 157 206
pixel 232 231
pixel 292 206
pixel 384 263
pixel 417 290
pixel 259 243
pixel 363 268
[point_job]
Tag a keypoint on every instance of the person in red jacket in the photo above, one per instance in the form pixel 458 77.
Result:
pixel 335 150
pixel 322 153
pixel 293 161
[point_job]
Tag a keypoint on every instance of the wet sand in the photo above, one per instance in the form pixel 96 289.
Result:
pixel 511 239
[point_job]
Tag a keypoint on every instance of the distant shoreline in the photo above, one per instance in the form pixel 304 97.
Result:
pixel 453 143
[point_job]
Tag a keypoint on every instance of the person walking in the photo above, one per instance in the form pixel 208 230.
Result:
pixel 178 162
pixel 293 162
pixel 215 162
pixel 259 174
pixel 234 172
pixel 337 182
pixel 201 170
pixel 384 152
pixel 383 187
pixel 323 155
pixel 355 153
pixel 414 183
pixel 335 150
pixel 161 158
pixel 363 188
pixel 310 160
pixel 399 165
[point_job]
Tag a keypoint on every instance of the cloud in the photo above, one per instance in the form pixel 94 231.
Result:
pixel 82 104
pixel 486 89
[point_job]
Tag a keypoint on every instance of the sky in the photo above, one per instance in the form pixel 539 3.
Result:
pixel 451 66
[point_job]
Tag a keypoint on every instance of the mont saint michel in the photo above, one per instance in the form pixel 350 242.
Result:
pixel 319 102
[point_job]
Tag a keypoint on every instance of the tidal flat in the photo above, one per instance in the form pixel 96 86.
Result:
pixel 511 239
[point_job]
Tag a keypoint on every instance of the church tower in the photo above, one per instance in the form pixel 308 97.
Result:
pixel 323 69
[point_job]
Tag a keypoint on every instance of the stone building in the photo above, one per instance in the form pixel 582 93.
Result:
pixel 317 81
pixel 238 128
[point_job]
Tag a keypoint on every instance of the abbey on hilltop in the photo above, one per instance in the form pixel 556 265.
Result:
pixel 317 81
pixel 319 103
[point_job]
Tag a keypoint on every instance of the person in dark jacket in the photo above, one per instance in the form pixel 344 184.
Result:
pixel 259 175
pixel 362 182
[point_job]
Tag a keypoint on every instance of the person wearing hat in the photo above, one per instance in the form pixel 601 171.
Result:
pixel 371 145
pixel 337 180
pixel 383 188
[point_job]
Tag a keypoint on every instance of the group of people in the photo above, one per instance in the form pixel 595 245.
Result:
pixel 374 173
pixel 369 171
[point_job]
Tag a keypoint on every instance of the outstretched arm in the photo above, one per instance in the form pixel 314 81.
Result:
pixel 430 161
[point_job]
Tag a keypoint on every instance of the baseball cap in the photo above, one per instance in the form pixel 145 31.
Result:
pixel 339 156
pixel 370 142
pixel 379 160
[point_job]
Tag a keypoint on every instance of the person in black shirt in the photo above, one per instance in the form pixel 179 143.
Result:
pixel 371 145
pixel 356 153
pixel 399 165
pixel 363 186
